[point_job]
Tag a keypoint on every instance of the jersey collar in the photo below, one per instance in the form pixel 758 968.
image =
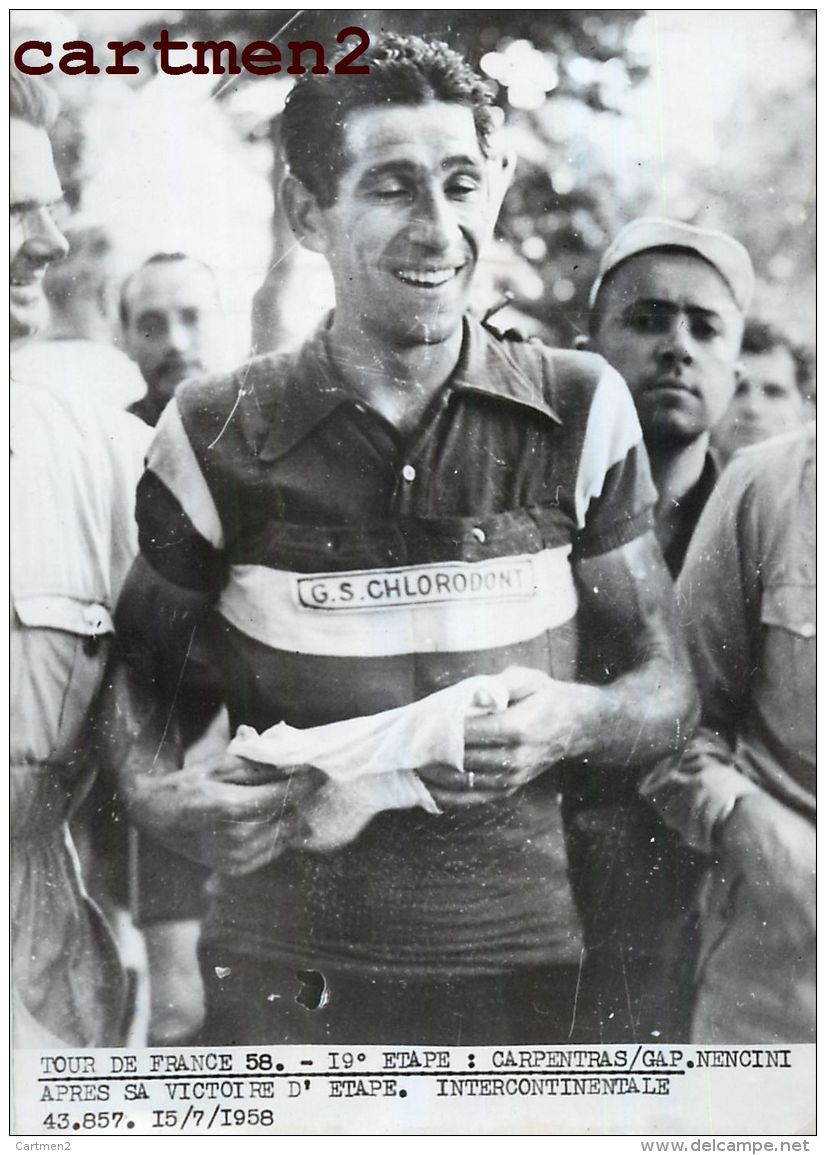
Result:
pixel 313 390
pixel 485 366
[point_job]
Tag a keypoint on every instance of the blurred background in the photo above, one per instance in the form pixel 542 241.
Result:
pixel 706 116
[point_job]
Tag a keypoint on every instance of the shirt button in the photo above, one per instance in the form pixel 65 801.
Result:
pixel 808 629
pixel 408 472
pixel 479 533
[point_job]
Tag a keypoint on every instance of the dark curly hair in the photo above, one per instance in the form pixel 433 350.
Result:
pixel 403 70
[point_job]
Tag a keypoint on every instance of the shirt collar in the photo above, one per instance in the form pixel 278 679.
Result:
pixel 311 393
pixel 690 508
pixel 313 390
pixel 485 366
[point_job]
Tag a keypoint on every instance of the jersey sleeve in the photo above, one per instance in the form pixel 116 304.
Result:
pixel 614 493
pixel 162 614
pixel 179 529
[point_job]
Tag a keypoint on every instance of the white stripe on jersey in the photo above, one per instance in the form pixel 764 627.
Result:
pixel 171 458
pixel 446 607
pixel 612 431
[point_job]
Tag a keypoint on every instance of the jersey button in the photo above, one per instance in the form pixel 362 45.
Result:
pixel 409 472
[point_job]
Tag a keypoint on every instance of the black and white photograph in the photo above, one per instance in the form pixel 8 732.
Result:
pixel 412 572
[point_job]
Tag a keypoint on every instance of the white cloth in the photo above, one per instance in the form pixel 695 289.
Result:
pixel 371 761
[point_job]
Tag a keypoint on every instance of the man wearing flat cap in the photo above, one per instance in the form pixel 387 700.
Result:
pixel 667 311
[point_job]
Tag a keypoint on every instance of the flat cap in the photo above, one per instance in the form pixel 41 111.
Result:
pixel 726 254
